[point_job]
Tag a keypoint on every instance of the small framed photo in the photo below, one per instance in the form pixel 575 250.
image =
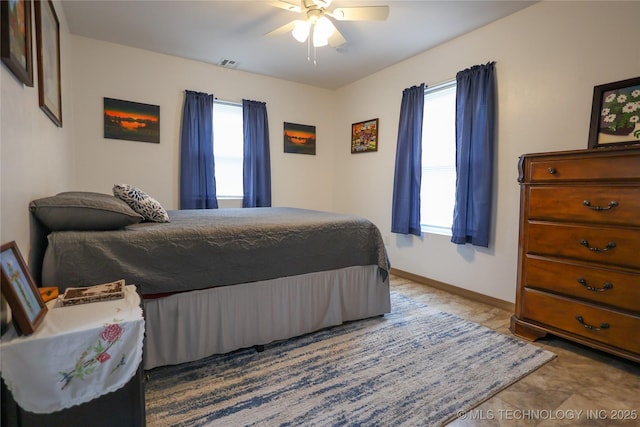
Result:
pixel 615 114
pixel 364 136
pixel 18 288
pixel 15 17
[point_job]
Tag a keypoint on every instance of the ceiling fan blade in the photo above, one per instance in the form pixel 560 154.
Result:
pixel 286 5
pixel 286 28
pixel 364 13
pixel 336 39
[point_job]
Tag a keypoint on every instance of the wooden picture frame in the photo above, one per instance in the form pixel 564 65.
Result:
pixel 48 53
pixel 364 136
pixel 15 49
pixel 299 139
pixel 132 121
pixel 615 114
pixel 27 307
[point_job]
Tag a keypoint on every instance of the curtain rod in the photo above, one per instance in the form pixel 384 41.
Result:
pixel 225 102
pixel 440 85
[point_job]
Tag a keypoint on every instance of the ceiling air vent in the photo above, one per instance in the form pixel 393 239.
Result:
pixel 228 63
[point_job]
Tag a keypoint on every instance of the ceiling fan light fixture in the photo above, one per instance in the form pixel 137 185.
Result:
pixel 319 41
pixel 322 30
pixel 338 14
pixel 316 29
pixel 301 30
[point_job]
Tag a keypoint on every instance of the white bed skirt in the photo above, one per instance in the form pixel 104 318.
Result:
pixel 189 326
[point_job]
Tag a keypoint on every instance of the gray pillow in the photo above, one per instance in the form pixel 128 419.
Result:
pixel 80 210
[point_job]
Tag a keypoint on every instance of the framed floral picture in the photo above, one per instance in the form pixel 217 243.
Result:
pixel 27 307
pixel 615 114
pixel 15 38
pixel 364 136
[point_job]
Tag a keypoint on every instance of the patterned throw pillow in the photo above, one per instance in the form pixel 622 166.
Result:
pixel 140 202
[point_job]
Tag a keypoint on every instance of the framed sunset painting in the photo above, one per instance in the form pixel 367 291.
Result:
pixel 131 121
pixel 300 139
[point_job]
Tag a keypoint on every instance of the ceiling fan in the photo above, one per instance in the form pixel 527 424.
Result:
pixel 316 28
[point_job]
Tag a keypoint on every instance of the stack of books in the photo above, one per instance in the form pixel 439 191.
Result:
pixel 102 292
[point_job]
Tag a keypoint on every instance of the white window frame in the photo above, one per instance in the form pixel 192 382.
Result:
pixel 445 168
pixel 219 153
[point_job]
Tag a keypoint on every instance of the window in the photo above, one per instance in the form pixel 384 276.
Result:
pixel 228 149
pixel 438 187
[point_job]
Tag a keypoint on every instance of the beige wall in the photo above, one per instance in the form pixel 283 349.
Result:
pixel 108 70
pixel 36 156
pixel 548 58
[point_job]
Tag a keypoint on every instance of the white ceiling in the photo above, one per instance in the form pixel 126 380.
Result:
pixel 211 31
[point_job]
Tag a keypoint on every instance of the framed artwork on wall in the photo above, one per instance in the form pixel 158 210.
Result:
pixel 27 307
pixel 15 25
pixel 132 121
pixel 364 136
pixel 48 53
pixel 300 139
pixel 615 114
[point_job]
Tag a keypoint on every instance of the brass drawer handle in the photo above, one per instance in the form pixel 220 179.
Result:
pixel 612 204
pixel 609 246
pixel 605 287
pixel 552 171
pixel 591 327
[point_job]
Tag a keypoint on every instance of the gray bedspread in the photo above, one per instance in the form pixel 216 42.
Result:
pixel 204 248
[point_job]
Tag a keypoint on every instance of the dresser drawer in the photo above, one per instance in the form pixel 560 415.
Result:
pixel 616 205
pixel 596 323
pixel 605 245
pixel 615 288
pixel 585 168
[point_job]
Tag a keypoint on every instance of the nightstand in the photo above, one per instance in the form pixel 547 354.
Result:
pixel 82 366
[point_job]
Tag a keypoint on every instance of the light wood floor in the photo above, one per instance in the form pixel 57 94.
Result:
pixel 580 387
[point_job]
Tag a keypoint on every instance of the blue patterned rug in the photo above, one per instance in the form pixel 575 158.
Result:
pixel 414 366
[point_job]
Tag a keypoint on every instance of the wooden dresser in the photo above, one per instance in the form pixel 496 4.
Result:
pixel 579 248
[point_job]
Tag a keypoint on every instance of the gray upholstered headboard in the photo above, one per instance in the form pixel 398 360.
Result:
pixel 38 240
pixel 73 210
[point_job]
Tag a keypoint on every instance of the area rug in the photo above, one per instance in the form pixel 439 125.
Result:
pixel 414 366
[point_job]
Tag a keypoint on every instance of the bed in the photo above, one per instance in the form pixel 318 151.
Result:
pixel 213 281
